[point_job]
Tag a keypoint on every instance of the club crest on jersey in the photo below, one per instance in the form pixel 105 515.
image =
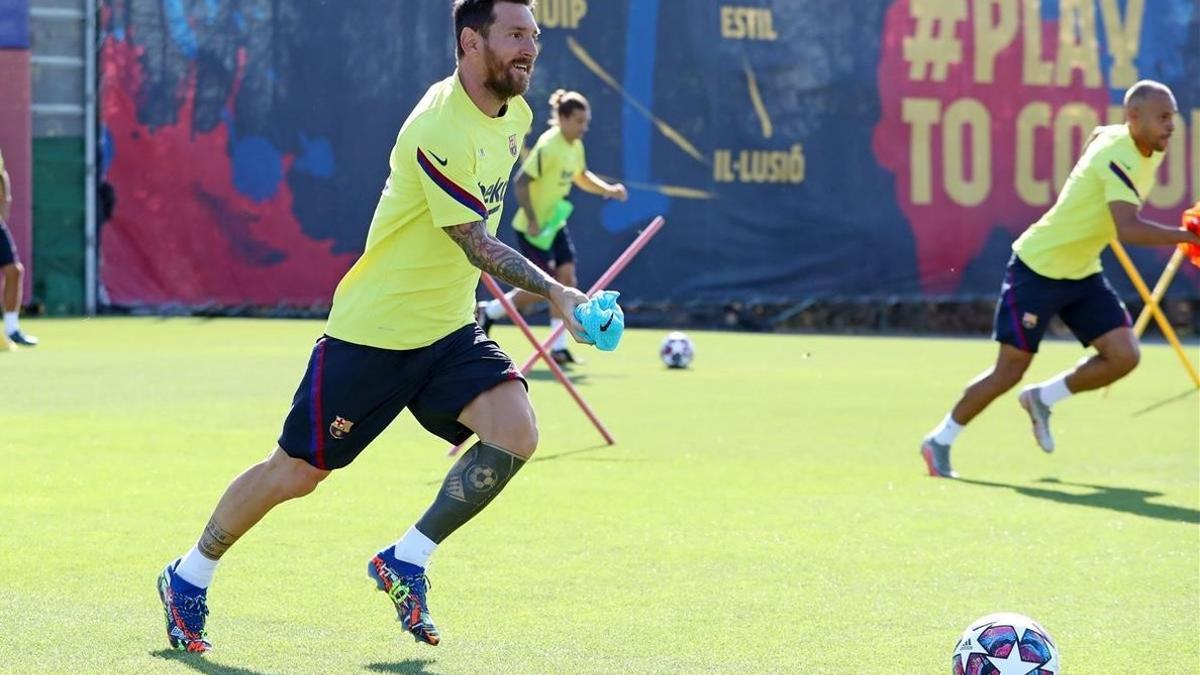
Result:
pixel 512 144
pixel 341 427
pixel 1029 320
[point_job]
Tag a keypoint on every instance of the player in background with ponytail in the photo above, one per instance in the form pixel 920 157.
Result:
pixel 556 163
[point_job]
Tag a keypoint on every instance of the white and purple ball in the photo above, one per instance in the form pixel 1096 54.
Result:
pixel 677 350
pixel 998 644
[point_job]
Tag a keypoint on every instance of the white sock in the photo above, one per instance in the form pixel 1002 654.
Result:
pixel 196 569
pixel 415 547
pixel 11 325
pixel 494 310
pixel 947 431
pixel 1055 390
pixel 561 341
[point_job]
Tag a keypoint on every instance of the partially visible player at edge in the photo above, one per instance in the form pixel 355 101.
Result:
pixel 557 162
pixel 1055 269
pixel 12 272
pixel 402 332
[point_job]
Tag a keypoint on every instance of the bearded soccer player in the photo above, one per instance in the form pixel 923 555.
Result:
pixel 402 332
pixel 1055 269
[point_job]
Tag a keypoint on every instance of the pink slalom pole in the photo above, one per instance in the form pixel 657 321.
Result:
pixel 605 279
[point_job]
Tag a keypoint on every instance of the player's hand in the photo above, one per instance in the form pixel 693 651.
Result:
pixel 618 192
pixel 565 299
pixel 533 229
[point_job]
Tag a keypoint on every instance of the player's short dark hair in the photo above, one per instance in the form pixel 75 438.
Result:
pixel 478 15
pixel 1143 89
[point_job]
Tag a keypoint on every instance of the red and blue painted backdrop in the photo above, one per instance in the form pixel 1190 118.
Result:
pixel 876 148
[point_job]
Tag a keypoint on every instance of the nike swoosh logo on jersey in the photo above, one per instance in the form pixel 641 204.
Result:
pixel 604 328
pixel 441 161
pixel 493 211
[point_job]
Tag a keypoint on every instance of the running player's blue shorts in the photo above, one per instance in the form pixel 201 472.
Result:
pixel 1089 306
pixel 8 250
pixel 351 393
pixel 562 251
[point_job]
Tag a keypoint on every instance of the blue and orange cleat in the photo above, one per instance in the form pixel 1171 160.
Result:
pixel 408 595
pixel 185 607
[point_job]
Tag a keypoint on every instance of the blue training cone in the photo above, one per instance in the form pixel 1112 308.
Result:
pixel 602 319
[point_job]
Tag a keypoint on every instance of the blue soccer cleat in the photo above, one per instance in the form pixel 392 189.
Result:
pixel 408 595
pixel 19 338
pixel 603 320
pixel 185 607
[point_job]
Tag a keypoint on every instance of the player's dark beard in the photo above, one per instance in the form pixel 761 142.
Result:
pixel 499 77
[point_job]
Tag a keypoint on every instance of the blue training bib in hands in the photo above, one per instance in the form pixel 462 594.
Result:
pixel 602 319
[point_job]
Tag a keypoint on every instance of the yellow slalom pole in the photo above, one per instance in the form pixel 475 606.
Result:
pixel 1152 305
pixel 1160 289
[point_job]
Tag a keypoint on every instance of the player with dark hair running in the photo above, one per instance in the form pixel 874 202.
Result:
pixel 402 334
pixel 1055 269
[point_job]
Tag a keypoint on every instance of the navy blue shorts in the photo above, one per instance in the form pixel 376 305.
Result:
pixel 1089 306
pixel 562 251
pixel 8 250
pixel 351 393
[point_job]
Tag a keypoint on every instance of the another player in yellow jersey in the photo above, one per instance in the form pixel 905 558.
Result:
pixel 402 334
pixel 11 271
pixel 1055 270
pixel 556 163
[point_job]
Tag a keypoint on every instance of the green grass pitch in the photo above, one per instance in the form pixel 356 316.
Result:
pixel 764 511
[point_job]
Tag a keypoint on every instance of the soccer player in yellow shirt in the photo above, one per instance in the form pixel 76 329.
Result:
pixel 11 271
pixel 556 163
pixel 402 334
pixel 1055 269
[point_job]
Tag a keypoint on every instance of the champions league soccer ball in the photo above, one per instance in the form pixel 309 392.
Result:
pixel 677 350
pixel 1005 644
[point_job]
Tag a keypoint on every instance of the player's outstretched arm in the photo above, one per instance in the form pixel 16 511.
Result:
pixel 499 260
pixel 1133 229
pixel 591 183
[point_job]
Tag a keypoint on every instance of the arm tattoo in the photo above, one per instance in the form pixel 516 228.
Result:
pixel 494 257
pixel 215 541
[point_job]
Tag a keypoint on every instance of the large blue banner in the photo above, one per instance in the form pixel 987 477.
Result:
pixel 879 148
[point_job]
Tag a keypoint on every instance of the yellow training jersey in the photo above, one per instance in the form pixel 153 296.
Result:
pixel 451 165
pixel 1066 243
pixel 1 162
pixel 553 164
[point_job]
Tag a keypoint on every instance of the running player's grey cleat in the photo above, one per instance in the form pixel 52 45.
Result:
pixel 1039 414
pixel 937 458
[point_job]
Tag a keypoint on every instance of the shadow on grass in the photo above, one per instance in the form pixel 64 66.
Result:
pixel 577 379
pixel 201 664
pixel 1124 500
pixel 1167 401
pixel 568 453
pixel 407 666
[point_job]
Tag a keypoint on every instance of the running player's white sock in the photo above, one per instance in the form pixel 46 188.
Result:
pixel 415 548
pixel 561 341
pixel 11 324
pixel 494 310
pixel 947 431
pixel 196 569
pixel 1054 390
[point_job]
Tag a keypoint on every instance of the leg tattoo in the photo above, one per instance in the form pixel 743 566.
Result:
pixel 215 541
pixel 473 482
